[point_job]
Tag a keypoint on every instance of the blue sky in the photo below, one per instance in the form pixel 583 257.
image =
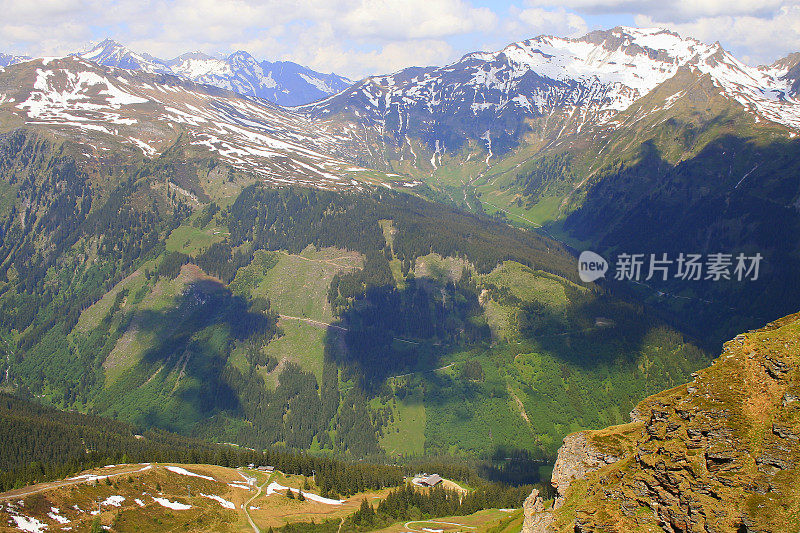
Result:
pixel 359 37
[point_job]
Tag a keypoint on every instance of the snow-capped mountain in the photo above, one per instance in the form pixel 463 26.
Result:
pixel 111 110
pixel 112 54
pixel 284 83
pixel 8 59
pixel 787 69
pixel 489 96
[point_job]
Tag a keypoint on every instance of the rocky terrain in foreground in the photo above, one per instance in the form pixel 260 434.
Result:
pixel 717 454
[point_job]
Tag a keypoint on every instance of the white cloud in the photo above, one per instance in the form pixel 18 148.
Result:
pixel 536 21
pixel 317 46
pixel 415 19
pixel 389 58
pixel 675 10
pixel 352 37
pixel 753 39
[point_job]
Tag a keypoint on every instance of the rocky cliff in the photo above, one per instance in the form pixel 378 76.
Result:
pixel 718 454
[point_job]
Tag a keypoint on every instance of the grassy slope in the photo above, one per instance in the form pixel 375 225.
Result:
pixel 205 514
pixel 532 378
pixel 540 385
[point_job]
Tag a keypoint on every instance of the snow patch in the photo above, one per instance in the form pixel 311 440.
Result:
pixel 318 83
pixel 275 487
pixel 222 501
pixel 328 501
pixel 116 501
pixel 184 472
pixel 31 525
pixel 177 506
pixel 55 514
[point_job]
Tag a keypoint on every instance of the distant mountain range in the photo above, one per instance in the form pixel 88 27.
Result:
pixel 7 59
pixel 282 82
pixel 587 82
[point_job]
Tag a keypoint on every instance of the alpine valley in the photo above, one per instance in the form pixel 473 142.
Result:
pixel 386 270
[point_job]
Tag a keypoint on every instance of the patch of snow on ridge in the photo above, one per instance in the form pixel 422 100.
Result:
pixel 274 487
pixel 55 94
pixel 222 501
pixel 177 506
pixel 318 83
pixel 55 514
pixel 320 499
pixel 200 68
pixel 184 472
pixel 115 501
pixel 31 525
pixel 756 90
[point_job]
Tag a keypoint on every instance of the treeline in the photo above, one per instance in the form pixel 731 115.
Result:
pixel 411 503
pixel 218 260
pixel 41 443
pixel 292 218
pixel 547 176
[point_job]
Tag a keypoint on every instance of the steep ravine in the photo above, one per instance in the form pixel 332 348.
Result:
pixel 718 454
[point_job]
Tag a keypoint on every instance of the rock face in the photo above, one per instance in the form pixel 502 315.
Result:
pixel 718 454
pixel 537 517
pixel 576 458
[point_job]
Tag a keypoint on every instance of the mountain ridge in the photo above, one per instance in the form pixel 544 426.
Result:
pixel 238 71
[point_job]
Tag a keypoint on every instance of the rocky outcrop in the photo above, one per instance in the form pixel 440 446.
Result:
pixel 577 457
pixel 718 454
pixel 538 518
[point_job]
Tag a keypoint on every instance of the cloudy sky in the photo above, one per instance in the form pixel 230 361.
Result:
pixel 358 37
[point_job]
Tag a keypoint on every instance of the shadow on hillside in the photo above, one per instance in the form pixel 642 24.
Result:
pixel 735 195
pixel 394 331
pixel 179 381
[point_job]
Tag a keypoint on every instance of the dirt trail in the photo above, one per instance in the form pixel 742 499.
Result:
pixel 248 502
pixel 326 261
pixel 42 487
pixel 311 321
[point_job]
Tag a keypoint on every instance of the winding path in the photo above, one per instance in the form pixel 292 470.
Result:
pixel 248 502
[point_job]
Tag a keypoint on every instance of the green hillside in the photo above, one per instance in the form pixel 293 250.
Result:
pixel 361 323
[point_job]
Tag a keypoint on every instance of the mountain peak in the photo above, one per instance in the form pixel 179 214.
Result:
pixel 103 47
pixel 241 55
pixel 114 54
pixel 196 55
pixel 109 41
